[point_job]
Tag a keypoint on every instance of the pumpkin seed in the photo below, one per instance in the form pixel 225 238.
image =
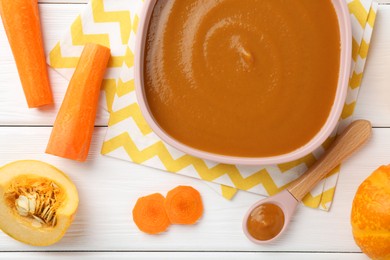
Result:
pixel 38 200
pixel 22 206
pixel 36 223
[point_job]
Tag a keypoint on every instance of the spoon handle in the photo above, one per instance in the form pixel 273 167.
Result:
pixel 353 138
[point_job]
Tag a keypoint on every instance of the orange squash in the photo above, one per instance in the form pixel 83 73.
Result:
pixel 370 216
pixel 37 202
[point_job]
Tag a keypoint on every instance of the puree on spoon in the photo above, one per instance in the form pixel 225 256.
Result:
pixel 249 78
pixel 265 222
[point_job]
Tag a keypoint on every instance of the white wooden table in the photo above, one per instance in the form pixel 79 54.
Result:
pixel 103 227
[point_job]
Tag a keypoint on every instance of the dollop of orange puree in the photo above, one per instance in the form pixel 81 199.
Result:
pixel 265 222
pixel 246 78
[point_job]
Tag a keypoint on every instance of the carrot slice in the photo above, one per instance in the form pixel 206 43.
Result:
pixel 22 26
pixel 149 214
pixel 74 125
pixel 183 205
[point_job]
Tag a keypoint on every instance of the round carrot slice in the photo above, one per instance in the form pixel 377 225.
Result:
pixel 149 214
pixel 183 205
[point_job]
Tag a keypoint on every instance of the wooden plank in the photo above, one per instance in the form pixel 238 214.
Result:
pixel 373 103
pixel 109 188
pixel 86 1
pixel 185 255
pixel 56 18
pixel 69 1
pixel 13 108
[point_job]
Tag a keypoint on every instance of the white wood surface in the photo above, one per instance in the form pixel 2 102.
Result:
pixel 185 255
pixel 103 227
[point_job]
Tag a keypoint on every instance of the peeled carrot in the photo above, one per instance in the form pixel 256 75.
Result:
pixel 149 214
pixel 72 132
pixel 22 26
pixel 183 205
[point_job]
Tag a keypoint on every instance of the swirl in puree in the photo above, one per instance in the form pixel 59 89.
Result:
pixel 248 78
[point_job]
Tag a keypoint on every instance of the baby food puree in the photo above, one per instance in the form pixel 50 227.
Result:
pixel 249 78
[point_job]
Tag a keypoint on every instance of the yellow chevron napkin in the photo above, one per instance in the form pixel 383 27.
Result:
pixel 113 23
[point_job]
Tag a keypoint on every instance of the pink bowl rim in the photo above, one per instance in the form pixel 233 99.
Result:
pixel 333 118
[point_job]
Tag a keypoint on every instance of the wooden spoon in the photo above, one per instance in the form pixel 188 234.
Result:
pixel 350 141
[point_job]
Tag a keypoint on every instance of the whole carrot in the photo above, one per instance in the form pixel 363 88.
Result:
pixel 73 128
pixel 22 26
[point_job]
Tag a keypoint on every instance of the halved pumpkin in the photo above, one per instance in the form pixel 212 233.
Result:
pixel 37 202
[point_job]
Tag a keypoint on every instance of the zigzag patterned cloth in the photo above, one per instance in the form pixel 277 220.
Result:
pixel 113 23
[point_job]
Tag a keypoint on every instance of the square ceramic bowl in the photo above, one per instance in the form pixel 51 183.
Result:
pixel 341 92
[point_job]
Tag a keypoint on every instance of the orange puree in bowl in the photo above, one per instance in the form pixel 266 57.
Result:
pixel 248 78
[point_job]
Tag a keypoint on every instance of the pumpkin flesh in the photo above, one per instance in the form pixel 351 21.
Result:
pixel 37 202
